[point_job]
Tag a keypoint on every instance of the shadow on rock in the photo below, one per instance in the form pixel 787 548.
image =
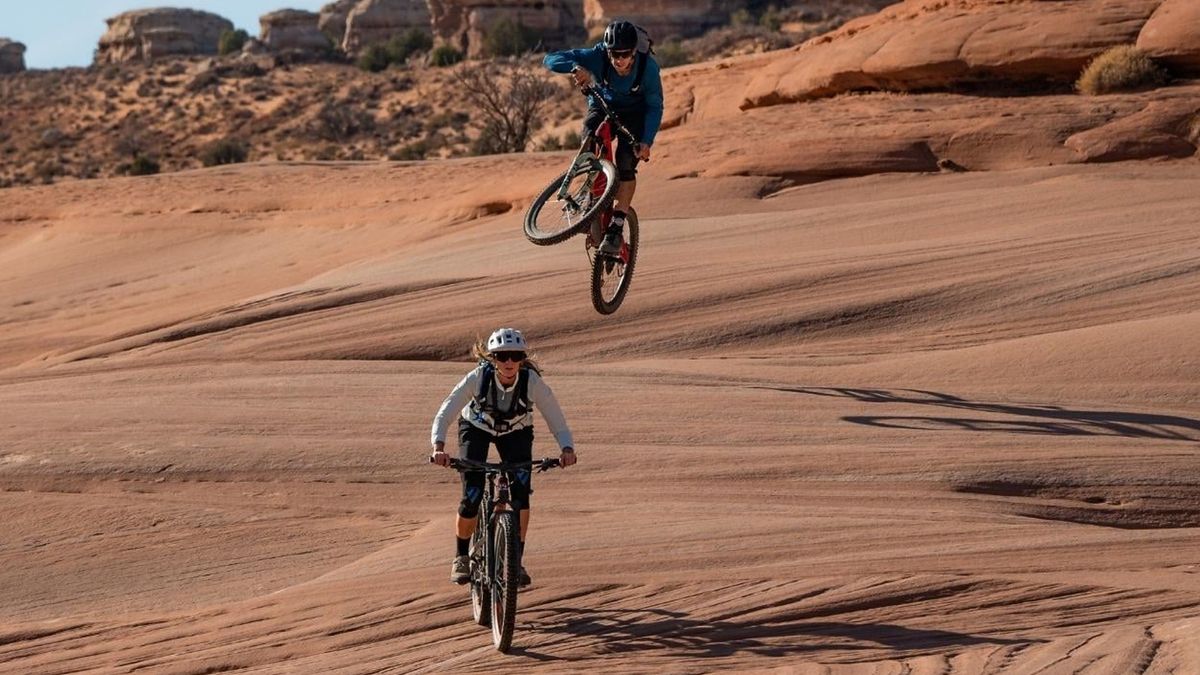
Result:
pixel 1031 419
pixel 620 631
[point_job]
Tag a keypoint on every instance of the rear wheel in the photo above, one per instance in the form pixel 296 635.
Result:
pixel 481 594
pixel 551 220
pixel 611 276
pixel 505 580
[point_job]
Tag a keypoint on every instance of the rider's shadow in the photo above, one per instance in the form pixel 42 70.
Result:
pixel 623 631
pixel 1022 418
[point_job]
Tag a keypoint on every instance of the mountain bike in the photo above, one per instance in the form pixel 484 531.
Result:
pixel 580 201
pixel 495 566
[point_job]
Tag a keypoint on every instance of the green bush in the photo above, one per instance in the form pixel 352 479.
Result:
pixel 225 151
pixel 402 46
pixel 509 38
pixel 1122 68
pixel 140 166
pixel 374 58
pixel 231 41
pixel 444 55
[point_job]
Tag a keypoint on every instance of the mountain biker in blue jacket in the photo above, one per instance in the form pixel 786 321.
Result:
pixel 632 86
pixel 493 405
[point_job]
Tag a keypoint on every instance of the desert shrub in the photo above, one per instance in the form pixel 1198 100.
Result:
pixel 410 42
pixel 1122 68
pixel 444 55
pixel 509 38
pixel 670 54
pixel 413 151
pixel 340 121
pixel 231 41
pixel 511 100
pixel 141 165
pixel 228 150
pixel 374 58
pixel 771 19
pixel 46 171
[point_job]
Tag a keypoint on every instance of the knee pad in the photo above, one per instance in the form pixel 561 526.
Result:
pixel 469 506
pixel 627 174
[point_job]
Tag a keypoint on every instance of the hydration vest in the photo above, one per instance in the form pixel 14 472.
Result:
pixel 639 72
pixel 484 407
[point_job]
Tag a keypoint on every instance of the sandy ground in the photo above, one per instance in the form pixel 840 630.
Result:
pixel 899 424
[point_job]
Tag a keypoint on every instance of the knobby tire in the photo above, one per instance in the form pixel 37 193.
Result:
pixel 546 237
pixel 604 269
pixel 481 593
pixel 505 580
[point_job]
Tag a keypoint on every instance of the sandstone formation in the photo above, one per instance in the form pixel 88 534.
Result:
pixel 930 44
pixel 464 23
pixel 662 18
pixel 1172 35
pixel 12 56
pixel 146 34
pixel 375 21
pixel 293 30
pixel 332 21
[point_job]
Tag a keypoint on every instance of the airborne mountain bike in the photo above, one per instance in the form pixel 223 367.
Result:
pixel 580 201
pixel 495 565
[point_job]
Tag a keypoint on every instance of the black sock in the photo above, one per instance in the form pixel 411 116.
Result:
pixel 461 545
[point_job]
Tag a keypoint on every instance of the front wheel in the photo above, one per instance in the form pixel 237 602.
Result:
pixel 611 276
pixel 481 593
pixel 505 579
pixel 590 189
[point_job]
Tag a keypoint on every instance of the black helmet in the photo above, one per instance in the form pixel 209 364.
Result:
pixel 620 35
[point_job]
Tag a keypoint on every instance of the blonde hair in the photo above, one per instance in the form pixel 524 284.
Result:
pixel 480 352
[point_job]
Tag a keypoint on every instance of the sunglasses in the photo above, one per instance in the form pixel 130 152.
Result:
pixel 621 54
pixel 509 356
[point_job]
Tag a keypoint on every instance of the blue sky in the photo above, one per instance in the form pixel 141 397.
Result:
pixel 60 33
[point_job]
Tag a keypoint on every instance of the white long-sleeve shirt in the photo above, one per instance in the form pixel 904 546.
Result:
pixel 541 397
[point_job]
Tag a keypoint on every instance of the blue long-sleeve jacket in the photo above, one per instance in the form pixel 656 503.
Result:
pixel 620 94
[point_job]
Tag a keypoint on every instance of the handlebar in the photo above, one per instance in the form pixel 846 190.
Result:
pixel 541 465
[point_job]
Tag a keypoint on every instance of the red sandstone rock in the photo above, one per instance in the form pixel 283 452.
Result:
pixel 1172 35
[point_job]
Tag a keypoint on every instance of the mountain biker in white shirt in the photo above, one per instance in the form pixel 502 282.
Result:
pixel 494 406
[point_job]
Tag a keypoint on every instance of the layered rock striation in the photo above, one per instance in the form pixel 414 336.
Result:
pixel 293 30
pixel 464 24
pixel 332 21
pixel 147 34
pixel 12 56
pixel 935 44
pixel 377 21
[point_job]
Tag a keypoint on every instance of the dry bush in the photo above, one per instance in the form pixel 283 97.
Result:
pixel 1122 68
pixel 229 150
pixel 511 100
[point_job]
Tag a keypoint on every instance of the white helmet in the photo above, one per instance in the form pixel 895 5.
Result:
pixel 507 340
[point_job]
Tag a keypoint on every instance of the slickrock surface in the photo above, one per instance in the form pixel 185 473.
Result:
pixel 930 44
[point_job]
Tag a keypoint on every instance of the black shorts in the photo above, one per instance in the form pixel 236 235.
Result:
pixel 634 119
pixel 473 444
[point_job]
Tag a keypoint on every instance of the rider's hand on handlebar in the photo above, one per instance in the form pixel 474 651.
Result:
pixel 643 152
pixel 567 458
pixel 582 77
pixel 439 455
